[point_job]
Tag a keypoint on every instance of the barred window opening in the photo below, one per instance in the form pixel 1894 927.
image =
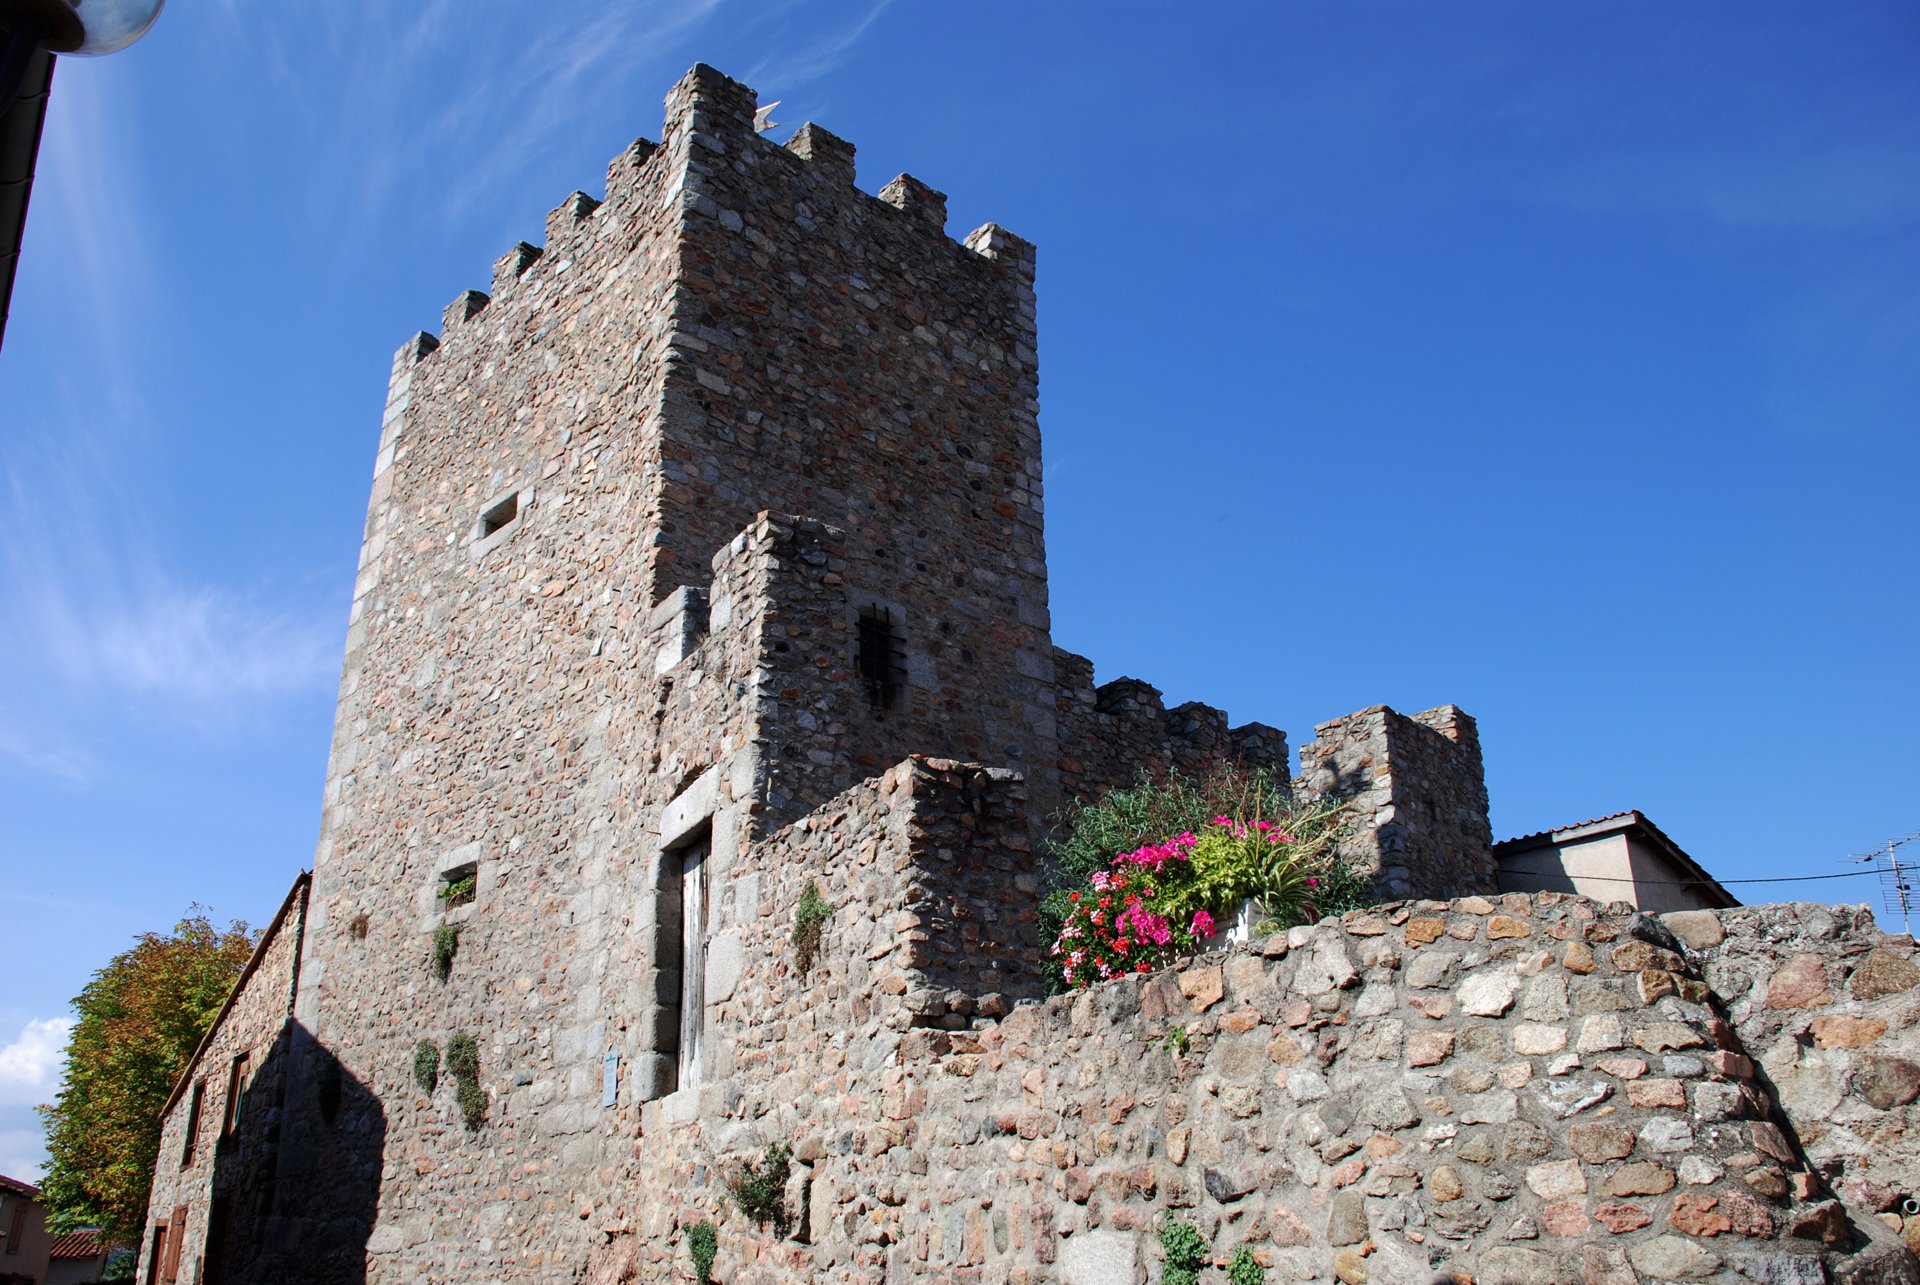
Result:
pixel 882 658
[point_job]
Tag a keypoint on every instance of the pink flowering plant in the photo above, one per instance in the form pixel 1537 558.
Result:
pixel 1119 905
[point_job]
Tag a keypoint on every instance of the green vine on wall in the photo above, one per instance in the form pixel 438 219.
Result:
pixel 760 1188
pixel 463 1064
pixel 458 892
pixel 1244 1269
pixel 426 1066
pixel 1183 1252
pixel 703 1242
pixel 446 944
pixel 809 918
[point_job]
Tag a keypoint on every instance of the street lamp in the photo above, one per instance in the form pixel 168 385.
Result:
pixel 31 33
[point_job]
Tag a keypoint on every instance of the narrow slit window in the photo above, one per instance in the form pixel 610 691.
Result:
pixel 236 1096
pixel 693 960
pixel 497 516
pixel 194 1103
pixel 882 658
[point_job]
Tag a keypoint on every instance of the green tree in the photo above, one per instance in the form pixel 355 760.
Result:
pixel 140 1019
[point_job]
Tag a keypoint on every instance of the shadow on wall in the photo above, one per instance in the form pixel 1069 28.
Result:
pixel 296 1181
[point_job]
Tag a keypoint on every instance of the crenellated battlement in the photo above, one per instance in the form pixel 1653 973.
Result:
pixel 709 125
pixel 1112 733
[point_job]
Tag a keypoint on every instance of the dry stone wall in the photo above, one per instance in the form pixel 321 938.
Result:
pixel 1502 1091
pixel 1828 1007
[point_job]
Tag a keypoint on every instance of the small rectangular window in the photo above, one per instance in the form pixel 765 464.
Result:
pixel 458 886
pixel 194 1104
pixel 881 659
pixel 497 516
pixel 17 1229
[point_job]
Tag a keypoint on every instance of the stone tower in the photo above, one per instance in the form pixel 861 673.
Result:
pixel 704 562
pixel 591 658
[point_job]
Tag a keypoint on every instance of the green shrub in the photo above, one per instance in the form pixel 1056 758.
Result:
pixel 1183 1251
pixel 473 1102
pixel 760 1188
pixel 446 944
pixel 463 1057
pixel 1244 1269
pixel 1175 1040
pixel 426 1066
pixel 809 918
pixel 1238 861
pixel 703 1242
pixel 1147 872
pixel 463 1064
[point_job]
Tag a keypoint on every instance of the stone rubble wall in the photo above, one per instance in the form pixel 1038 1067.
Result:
pixel 1510 1092
pixel 927 869
pixel 1418 793
pixel 1828 1007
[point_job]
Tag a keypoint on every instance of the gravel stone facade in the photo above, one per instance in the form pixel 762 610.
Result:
pixel 704 564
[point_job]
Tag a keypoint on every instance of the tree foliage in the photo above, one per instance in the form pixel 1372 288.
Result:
pixel 139 1021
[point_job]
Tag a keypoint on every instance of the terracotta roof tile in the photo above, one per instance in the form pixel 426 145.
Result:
pixel 79 1244
pixel 1543 834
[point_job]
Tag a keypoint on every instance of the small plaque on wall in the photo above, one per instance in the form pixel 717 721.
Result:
pixel 609 1077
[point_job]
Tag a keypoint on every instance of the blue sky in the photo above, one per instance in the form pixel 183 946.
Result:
pixel 1556 361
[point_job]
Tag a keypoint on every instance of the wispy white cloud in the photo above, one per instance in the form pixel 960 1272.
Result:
pixel 96 610
pixel 43 752
pixel 812 60
pixel 1826 189
pixel 23 1150
pixel 200 645
pixel 91 225
pixel 31 1066
pixel 552 81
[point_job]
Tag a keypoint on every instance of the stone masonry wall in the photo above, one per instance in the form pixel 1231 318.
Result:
pixel 836 356
pixel 1510 1092
pixel 238 1166
pixel 1828 1007
pixel 1418 792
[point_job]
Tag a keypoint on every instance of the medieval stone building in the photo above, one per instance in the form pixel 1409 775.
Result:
pixel 705 561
